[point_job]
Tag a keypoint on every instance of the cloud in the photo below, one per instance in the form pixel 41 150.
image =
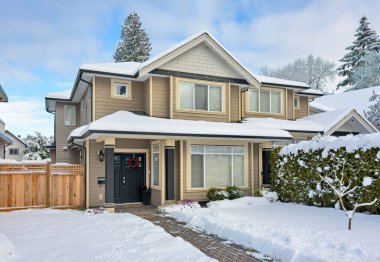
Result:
pixel 25 116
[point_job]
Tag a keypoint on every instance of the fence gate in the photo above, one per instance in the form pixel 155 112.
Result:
pixel 41 185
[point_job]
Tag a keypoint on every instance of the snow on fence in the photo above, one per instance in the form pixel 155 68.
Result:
pixel 25 185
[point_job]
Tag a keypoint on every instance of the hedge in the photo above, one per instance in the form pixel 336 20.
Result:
pixel 295 178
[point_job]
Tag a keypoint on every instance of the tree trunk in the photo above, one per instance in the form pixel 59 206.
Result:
pixel 349 223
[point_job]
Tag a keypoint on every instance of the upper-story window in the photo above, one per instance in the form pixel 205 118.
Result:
pixel 197 96
pixel 121 89
pixel 14 151
pixel 70 115
pixel 265 101
pixel 297 102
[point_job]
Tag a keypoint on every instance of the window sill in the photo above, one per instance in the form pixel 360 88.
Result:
pixel 193 190
pixel 121 98
pixel 155 187
pixel 203 112
pixel 264 114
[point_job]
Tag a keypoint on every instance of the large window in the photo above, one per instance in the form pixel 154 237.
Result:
pixel 204 97
pixel 156 165
pixel 70 115
pixel 217 166
pixel 265 101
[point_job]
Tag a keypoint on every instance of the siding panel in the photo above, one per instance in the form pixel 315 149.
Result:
pixel 161 96
pixel 303 111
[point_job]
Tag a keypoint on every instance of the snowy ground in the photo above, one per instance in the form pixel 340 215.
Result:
pixel 67 235
pixel 289 232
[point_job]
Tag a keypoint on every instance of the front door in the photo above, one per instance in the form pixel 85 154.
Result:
pixel 129 177
pixel 266 167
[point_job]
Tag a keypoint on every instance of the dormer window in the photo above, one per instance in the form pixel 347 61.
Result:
pixel 265 101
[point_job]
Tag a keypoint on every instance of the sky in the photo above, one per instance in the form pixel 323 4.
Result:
pixel 43 43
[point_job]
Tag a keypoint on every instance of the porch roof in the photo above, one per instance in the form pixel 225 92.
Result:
pixel 125 122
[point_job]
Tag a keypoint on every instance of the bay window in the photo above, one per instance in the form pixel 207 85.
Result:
pixel 217 166
pixel 265 101
pixel 195 96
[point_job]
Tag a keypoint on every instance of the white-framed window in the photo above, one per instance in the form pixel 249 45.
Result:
pixel 265 101
pixel 156 165
pixel 297 102
pixel 121 90
pixel 70 115
pixel 217 166
pixel 196 96
pixel 14 151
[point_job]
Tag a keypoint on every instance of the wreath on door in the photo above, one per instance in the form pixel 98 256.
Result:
pixel 133 162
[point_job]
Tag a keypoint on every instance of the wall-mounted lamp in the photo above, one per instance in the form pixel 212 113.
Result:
pixel 100 155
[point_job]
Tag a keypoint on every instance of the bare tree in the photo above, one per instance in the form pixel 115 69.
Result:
pixel 336 181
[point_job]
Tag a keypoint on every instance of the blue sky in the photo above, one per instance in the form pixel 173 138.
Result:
pixel 42 43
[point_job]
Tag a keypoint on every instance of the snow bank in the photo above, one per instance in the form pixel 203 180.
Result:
pixel 289 232
pixel 240 202
pixel 327 143
pixel 68 235
pixel 6 247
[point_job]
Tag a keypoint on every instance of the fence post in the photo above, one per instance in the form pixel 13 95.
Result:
pixel 48 180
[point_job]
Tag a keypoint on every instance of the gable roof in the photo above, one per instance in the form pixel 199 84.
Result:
pixel 357 99
pixel 3 95
pixel 15 137
pixel 5 138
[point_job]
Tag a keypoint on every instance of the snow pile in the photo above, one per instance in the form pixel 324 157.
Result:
pixel 289 232
pixel 270 196
pixel 6 247
pixel 184 205
pixel 327 143
pixel 239 202
pixel 68 235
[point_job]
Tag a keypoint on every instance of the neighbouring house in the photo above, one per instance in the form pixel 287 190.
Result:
pixel 4 139
pixel 15 151
pixel 191 118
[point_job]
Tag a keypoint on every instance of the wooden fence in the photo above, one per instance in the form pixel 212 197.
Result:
pixel 41 185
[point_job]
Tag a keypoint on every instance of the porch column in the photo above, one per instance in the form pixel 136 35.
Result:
pixel 109 168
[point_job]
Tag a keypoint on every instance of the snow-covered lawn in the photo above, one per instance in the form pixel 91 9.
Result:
pixel 68 235
pixel 289 232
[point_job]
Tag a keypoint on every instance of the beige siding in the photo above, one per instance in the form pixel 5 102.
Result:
pixel 234 104
pixel 304 107
pixel 201 60
pixel 17 144
pixel 105 105
pixel 147 97
pixel 193 115
pixel 290 104
pixel 161 96
pixel 1 149
pixel 53 157
pixel 156 197
pixel 85 108
pixel 97 169
pixel 62 133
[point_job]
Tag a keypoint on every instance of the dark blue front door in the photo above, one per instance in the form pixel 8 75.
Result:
pixel 129 177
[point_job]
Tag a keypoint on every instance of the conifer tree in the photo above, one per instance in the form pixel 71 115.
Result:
pixel 134 45
pixel 366 41
pixel 373 113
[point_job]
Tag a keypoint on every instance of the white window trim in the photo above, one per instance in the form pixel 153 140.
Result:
pixel 13 154
pixel 208 84
pixel 298 102
pixel 204 164
pixel 270 101
pixel 159 167
pixel 115 82
pixel 64 115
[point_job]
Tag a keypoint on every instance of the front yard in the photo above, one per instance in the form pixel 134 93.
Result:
pixel 289 232
pixel 68 235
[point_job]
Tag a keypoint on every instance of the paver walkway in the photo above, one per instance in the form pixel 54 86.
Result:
pixel 210 245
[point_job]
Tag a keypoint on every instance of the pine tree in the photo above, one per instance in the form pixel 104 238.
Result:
pixel 373 113
pixel 134 45
pixel 366 41
pixel 367 73
pixel 36 146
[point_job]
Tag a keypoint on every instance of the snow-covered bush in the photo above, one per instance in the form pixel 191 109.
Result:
pixel 230 192
pixel 297 170
pixel 182 205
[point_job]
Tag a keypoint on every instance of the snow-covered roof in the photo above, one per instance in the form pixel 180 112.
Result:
pixel 125 68
pixel 358 99
pixel 311 92
pixel 130 123
pixel 16 137
pixel 278 81
pixel 289 125
pixel 3 95
pixel 5 138
pixel 60 95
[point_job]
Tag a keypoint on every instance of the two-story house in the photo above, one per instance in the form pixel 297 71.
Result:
pixel 191 118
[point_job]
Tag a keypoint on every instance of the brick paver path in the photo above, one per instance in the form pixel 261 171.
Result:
pixel 210 245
